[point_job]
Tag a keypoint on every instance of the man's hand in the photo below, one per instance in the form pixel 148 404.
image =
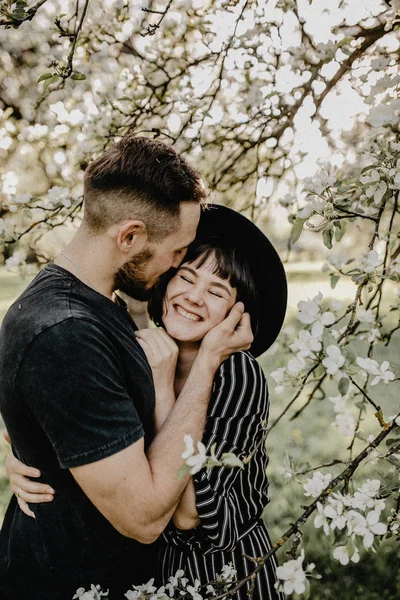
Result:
pixel 233 334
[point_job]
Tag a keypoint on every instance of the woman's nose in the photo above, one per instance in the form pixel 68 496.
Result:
pixel 195 295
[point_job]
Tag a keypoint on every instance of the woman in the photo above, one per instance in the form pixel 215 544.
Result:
pixel 218 519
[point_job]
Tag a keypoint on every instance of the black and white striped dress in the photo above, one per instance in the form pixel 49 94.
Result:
pixel 229 501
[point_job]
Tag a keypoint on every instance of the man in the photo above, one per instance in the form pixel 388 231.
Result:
pixel 76 391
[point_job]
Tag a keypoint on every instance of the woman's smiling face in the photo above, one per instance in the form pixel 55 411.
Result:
pixel 195 301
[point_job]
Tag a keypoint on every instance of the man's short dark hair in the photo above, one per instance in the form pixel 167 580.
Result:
pixel 139 178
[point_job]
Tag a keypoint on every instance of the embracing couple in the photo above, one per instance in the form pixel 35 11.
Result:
pixel 97 411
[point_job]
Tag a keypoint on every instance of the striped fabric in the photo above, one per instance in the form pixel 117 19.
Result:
pixel 229 501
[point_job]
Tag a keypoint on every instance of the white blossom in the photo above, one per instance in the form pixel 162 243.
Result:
pixel 228 573
pixel 15 260
pixel 296 365
pixel 310 313
pixel 319 182
pixel 381 373
pixel 334 359
pixel 314 205
pixel 57 195
pixel 306 344
pixel 370 261
pixel 321 520
pixel 292 576
pixel 95 593
pixel 339 402
pixel 189 446
pixel 365 316
pixel 368 365
pixel 340 553
pixel 338 259
pixel 384 114
pixel 317 484
pixel 384 374
pixel 375 186
pixel 197 461
pixel 345 423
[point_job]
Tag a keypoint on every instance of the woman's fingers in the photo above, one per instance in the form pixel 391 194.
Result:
pixel 156 343
pixel 19 482
pixel 25 508
pixel 13 465
pixel 28 497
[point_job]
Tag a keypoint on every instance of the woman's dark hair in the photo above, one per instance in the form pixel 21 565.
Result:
pixel 229 264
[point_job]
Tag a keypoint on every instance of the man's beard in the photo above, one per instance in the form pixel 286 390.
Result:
pixel 130 278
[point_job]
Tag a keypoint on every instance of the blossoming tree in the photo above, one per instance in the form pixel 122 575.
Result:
pixel 247 91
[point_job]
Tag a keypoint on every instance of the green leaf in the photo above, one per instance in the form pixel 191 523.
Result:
pixel 327 236
pixel 182 471
pixel 343 386
pixel 297 229
pixel 78 76
pixel 369 168
pixel 393 461
pixel 49 81
pixel 44 76
pixel 340 230
pixel 229 459
pixel 393 442
pixel 334 280
pixel 349 354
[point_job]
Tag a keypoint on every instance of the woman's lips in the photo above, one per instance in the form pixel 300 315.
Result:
pixel 187 315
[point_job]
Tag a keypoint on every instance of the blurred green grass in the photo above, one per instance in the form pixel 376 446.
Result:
pixel 309 438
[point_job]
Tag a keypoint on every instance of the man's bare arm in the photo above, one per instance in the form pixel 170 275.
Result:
pixel 137 493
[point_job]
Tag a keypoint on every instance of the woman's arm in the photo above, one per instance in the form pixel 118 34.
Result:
pixel 230 501
pixel 27 491
pixel 161 353
pixel 186 515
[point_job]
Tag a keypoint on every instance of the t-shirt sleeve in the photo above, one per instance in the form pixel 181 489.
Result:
pixel 72 380
pixel 230 501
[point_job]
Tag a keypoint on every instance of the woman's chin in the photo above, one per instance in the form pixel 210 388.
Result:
pixel 183 334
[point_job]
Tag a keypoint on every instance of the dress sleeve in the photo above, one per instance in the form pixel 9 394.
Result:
pixel 76 391
pixel 230 501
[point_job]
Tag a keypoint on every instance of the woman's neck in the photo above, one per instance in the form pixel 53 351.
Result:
pixel 186 358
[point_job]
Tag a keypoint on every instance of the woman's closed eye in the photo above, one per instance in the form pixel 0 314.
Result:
pixel 185 278
pixel 217 294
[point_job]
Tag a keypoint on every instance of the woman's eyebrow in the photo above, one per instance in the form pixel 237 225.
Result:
pixel 213 283
pixel 191 271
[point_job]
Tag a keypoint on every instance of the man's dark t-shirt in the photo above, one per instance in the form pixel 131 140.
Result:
pixel 75 387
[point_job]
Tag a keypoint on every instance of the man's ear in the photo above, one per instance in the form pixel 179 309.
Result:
pixel 131 236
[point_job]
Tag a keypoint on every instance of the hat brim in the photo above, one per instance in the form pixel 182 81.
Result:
pixel 266 267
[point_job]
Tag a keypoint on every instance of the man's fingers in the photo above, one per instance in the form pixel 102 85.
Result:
pixel 7 437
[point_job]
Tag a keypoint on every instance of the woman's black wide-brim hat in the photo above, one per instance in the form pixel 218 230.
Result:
pixel 266 268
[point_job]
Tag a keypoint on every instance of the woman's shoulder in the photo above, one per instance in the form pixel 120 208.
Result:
pixel 243 359
pixel 241 364
pixel 240 387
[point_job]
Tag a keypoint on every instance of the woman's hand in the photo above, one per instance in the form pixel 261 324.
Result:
pixel 162 353
pixel 25 489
